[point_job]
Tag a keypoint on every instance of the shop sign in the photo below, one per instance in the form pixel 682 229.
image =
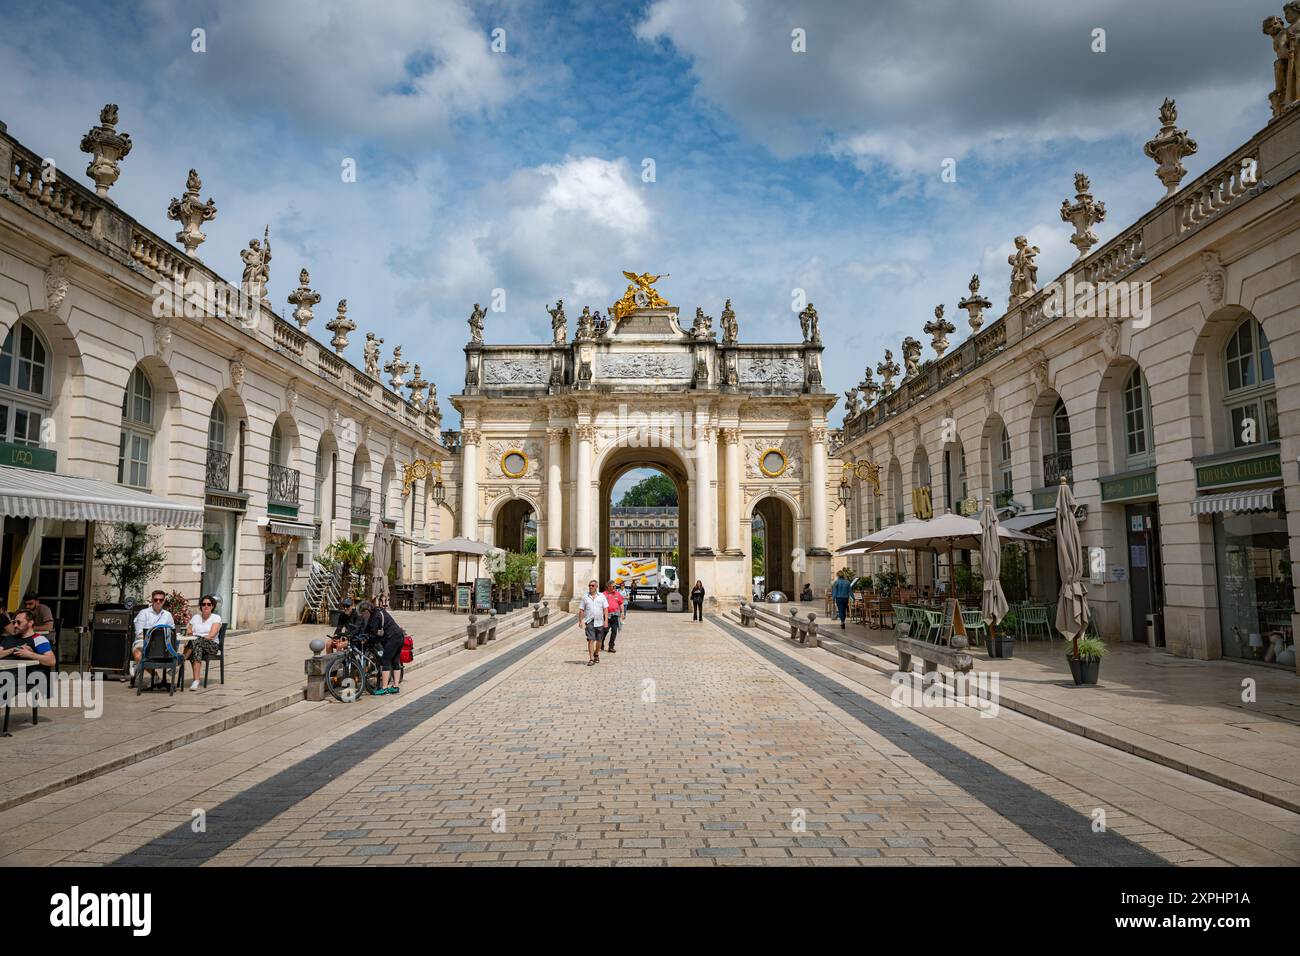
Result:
pixel 1128 487
pixel 1241 472
pixel 27 456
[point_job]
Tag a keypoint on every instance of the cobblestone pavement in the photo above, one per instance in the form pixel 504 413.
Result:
pixel 696 744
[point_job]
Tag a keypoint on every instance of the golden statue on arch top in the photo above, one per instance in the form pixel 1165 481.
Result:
pixel 641 294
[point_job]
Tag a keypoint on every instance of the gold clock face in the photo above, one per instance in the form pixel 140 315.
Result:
pixel 772 463
pixel 514 464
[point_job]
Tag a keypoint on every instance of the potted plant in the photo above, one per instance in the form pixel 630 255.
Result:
pixel 1085 659
pixel 130 555
pixel 1002 636
pixel 352 557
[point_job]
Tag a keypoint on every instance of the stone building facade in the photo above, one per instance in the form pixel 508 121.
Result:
pixel 645 531
pixel 1174 411
pixel 132 365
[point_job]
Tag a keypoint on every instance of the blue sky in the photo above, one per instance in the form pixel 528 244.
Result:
pixel 521 170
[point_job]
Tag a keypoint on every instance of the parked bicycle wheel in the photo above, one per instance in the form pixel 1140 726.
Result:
pixel 345 680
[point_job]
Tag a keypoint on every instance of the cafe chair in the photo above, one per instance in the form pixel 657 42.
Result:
pixel 220 658
pixel 160 654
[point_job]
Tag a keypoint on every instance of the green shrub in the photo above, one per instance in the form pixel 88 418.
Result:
pixel 1090 649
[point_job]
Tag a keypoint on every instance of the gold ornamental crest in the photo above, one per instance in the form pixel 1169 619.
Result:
pixel 641 294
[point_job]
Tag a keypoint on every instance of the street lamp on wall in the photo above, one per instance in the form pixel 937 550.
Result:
pixel 439 492
pixel 846 493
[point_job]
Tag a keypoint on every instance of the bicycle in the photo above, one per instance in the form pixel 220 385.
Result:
pixel 354 673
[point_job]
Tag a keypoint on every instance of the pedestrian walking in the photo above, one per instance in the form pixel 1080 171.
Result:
pixel 592 610
pixel 615 601
pixel 842 591
pixel 697 601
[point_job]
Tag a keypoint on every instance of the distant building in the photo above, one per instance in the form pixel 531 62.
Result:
pixel 645 532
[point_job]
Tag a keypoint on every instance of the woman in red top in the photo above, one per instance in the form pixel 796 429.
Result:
pixel 615 600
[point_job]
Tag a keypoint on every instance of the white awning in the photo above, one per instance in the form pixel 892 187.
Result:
pixel 1030 520
pixel 294 529
pixel 1253 499
pixel 28 493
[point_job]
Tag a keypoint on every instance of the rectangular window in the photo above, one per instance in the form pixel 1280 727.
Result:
pixel 133 462
pixel 27 427
pixel 1246 427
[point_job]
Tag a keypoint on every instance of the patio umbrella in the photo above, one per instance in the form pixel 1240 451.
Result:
pixel 459 546
pixel 1072 610
pixel 380 555
pixel 993 603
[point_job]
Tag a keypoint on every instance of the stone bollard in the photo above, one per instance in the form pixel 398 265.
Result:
pixel 794 624
pixel 492 625
pixel 471 633
pixel 748 614
pixel 812 631
pixel 314 667
pixel 541 614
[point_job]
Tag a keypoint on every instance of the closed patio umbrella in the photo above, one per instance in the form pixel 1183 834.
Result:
pixel 993 603
pixel 380 555
pixel 1072 610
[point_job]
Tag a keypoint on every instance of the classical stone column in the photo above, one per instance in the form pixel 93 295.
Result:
pixel 703 489
pixel 554 505
pixel 586 435
pixel 817 491
pixel 469 442
pixel 731 438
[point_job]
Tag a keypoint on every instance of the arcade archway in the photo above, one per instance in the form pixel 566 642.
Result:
pixel 620 462
pixel 773 525
pixel 510 527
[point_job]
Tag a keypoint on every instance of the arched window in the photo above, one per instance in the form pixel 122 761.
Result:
pixel 1060 429
pixel 24 385
pixel 1004 462
pixel 1250 395
pixel 277 445
pixel 137 431
pixel 1137 419
pixel 217 428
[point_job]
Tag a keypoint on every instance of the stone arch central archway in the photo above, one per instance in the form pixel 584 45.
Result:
pixel 616 463
pixel 779 542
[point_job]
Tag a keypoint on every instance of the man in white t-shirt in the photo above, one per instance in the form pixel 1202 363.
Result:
pixel 593 610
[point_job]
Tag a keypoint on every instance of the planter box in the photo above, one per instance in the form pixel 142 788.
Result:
pixel 1003 645
pixel 1084 672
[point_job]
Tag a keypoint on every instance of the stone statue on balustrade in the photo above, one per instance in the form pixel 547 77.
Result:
pixel 257 267
pixel 372 354
pixel 1024 271
pixel 851 403
pixel 586 326
pixel 476 324
pixel 911 356
pixel 559 323
pixel 730 327
pixel 808 323
pixel 702 327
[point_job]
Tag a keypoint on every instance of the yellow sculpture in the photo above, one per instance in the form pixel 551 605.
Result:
pixel 641 294
pixel 417 469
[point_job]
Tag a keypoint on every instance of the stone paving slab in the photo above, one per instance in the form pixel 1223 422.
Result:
pixel 719 755
pixel 263 675
pixel 1185 714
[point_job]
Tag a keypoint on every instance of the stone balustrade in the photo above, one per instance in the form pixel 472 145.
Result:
pixel 1217 189
pixel 107 228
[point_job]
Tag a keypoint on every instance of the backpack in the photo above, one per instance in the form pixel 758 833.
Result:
pixel 408 649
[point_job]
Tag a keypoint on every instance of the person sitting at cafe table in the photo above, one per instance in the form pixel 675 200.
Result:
pixel 24 643
pixel 42 616
pixel 204 628
pixel 154 615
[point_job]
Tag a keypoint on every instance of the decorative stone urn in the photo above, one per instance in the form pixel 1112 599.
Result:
pixel 191 214
pixel 107 147
pixel 1169 148
pixel 975 304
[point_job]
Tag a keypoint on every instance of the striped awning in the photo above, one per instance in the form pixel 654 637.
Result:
pixel 28 493
pixel 293 529
pixel 1253 499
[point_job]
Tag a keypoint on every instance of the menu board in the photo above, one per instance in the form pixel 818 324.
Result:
pixel 462 597
pixel 482 594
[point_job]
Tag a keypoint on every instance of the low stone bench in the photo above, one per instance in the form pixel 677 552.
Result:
pixel 541 614
pixel 803 632
pixel 932 655
pixel 748 614
pixel 480 630
pixel 315 669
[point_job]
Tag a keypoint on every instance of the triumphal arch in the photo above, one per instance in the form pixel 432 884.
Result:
pixel 740 428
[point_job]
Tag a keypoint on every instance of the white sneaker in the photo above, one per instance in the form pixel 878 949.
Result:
pixel 194 686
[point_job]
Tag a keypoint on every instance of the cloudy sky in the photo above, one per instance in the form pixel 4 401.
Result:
pixel 523 169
